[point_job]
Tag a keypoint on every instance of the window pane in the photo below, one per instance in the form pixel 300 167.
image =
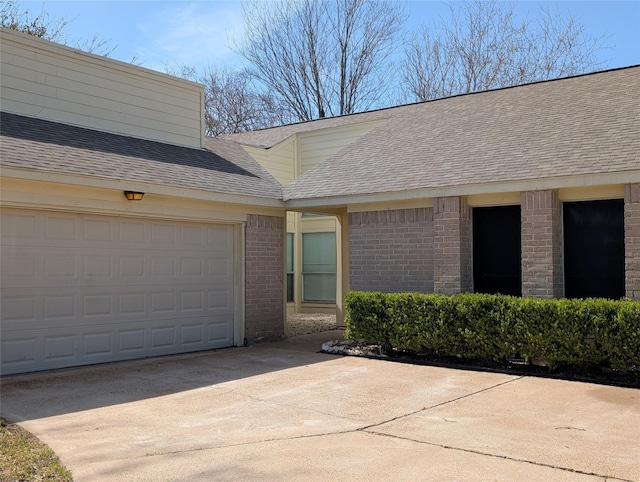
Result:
pixel 289 287
pixel 319 253
pixel 319 287
pixel 289 252
pixel 289 266
pixel 319 267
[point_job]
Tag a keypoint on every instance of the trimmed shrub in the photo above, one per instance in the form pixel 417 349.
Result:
pixel 557 332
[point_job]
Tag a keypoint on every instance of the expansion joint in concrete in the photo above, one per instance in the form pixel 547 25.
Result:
pixel 446 402
pixel 498 456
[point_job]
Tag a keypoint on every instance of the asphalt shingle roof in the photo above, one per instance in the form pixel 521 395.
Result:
pixel 223 167
pixel 269 137
pixel 587 124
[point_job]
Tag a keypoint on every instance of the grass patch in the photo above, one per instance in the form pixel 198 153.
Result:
pixel 25 458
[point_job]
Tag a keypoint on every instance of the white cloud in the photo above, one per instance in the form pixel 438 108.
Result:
pixel 191 33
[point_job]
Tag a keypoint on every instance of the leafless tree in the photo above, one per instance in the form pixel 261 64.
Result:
pixel 43 26
pixel 482 46
pixel 99 46
pixel 322 57
pixel 39 25
pixel 234 104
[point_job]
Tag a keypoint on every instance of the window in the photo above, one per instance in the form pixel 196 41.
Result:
pixel 319 267
pixel 290 267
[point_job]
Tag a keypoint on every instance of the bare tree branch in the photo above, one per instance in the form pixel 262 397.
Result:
pixel 233 103
pixel 43 26
pixel 322 57
pixel 481 46
pixel 40 25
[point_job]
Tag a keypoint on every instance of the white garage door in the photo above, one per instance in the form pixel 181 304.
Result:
pixel 81 289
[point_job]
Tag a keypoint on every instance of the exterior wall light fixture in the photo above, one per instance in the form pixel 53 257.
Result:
pixel 133 196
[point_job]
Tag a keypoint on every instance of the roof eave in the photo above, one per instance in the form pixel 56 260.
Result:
pixel 582 180
pixel 150 188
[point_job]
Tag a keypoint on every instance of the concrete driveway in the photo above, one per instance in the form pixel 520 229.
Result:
pixel 281 411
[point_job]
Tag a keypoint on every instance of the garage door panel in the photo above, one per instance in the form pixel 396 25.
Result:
pixel 219 268
pixel 98 344
pixel 192 301
pixel 133 232
pixel 87 289
pixel 17 309
pixel 18 267
pixel 60 227
pixel 98 229
pixel 46 266
pixel 191 267
pixel 97 266
pixel 217 332
pixel 131 341
pixel 163 337
pixel 60 307
pixel 60 348
pixel 193 334
pixel 192 235
pixel 19 353
pixel 20 226
pixel 220 237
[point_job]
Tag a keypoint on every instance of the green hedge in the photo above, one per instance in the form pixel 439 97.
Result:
pixel 579 333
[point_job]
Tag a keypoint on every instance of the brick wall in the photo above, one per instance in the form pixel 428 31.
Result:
pixel 632 240
pixel 452 245
pixel 264 278
pixel 391 251
pixel 542 269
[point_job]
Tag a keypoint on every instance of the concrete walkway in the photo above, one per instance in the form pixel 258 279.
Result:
pixel 282 411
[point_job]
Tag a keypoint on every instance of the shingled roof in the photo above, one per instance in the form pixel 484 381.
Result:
pixel 581 125
pixel 271 136
pixel 223 167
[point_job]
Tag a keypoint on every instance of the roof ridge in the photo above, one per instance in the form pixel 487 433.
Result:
pixel 391 107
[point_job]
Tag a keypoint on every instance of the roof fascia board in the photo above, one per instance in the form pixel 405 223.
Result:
pixel 584 180
pixel 126 185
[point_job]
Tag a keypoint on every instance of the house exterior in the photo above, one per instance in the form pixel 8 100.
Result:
pixel 532 191
pixel 89 276
pixel 313 240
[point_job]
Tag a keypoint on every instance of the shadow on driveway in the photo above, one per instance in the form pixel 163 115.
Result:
pixel 55 392
pixel 282 411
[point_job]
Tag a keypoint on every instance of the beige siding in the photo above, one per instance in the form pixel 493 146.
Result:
pixel 280 160
pixel 591 193
pixel 317 146
pixel 32 194
pixel 324 224
pixel 54 82
pixel 292 220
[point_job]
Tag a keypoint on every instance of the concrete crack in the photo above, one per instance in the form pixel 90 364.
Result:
pixel 504 457
pixel 446 402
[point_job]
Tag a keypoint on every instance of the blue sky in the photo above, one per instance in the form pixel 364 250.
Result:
pixel 198 33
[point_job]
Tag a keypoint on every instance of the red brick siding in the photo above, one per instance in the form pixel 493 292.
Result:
pixel 542 268
pixel 452 245
pixel 391 251
pixel 632 240
pixel 264 278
